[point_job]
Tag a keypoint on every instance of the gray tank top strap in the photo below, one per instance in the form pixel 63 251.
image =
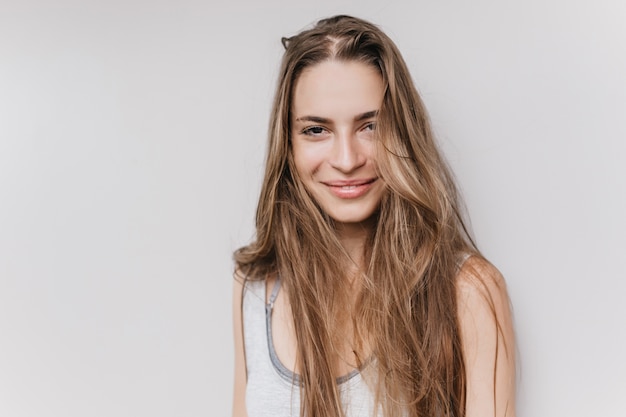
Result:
pixel 282 370
pixel 274 294
pixel 272 390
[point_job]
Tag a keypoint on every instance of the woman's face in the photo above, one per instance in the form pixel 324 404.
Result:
pixel 334 110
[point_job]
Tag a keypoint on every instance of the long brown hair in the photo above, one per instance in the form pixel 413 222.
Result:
pixel 405 307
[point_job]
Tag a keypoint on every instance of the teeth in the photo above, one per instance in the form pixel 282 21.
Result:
pixel 348 187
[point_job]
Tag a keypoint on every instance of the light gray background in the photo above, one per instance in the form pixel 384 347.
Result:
pixel 132 136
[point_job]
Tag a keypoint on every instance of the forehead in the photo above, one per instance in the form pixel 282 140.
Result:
pixel 337 88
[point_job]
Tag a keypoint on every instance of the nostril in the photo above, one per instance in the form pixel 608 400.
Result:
pixel 347 154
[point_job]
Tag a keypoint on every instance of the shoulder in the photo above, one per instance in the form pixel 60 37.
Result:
pixel 239 279
pixel 239 283
pixel 483 302
pixel 487 338
pixel 245 283
pixel 240 377
pixel 479 279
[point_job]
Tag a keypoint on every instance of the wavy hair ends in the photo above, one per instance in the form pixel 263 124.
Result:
pixel 405 310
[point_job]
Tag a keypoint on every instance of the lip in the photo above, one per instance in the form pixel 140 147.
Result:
pixel 348 189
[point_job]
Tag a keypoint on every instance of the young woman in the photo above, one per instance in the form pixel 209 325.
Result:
pixel 363 294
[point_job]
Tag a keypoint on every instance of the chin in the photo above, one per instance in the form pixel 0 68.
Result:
pixel 353 218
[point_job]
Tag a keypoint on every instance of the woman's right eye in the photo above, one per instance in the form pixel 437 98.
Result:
pixel 314 131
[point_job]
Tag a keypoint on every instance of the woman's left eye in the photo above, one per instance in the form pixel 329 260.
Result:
pixel 370 126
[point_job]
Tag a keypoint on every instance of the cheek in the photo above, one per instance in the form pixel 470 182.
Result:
pixel 371 155
pixel 307 159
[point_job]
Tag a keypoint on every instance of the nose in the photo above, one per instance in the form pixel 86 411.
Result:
pixel 348 153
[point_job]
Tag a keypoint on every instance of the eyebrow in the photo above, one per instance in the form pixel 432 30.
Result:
pixel 323 120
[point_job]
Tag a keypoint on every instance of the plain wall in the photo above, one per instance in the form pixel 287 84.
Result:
pixel 132 138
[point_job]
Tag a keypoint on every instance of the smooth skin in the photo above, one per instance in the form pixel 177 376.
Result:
pixel 335 105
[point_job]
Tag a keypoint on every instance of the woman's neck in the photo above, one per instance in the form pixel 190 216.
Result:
pixel 353 237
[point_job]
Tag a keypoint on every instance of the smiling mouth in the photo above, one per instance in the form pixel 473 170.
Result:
pixel 350 189
pixel 350 183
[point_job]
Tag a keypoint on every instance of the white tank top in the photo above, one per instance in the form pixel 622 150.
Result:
pixel 272 390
